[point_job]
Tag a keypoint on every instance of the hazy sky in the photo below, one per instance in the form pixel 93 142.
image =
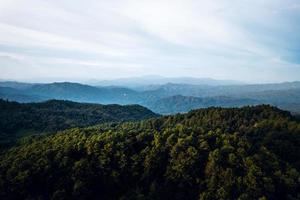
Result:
pixel 248 40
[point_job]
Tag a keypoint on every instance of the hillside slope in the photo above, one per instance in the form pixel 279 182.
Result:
pixel 247 153
pixel 82 93
pixel 13 94
pixel 22 119
pixel 181 104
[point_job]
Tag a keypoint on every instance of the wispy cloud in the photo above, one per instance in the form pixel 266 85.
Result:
pixel 244 40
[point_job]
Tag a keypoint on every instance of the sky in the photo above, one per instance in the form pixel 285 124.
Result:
pixel 244 40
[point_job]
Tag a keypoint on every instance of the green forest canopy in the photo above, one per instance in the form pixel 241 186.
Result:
pixel 214 153
pixel 19 119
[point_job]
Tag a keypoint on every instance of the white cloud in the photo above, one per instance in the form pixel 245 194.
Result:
pixel 136 37
pixel 182 22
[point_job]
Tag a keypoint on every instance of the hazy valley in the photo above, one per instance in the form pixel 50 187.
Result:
pixel 163 99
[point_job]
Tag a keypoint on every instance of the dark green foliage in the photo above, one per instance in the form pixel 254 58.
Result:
pixel 26 119
pixel 248 153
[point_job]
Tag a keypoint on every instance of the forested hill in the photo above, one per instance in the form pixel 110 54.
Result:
pixel 17 119
pixel 247 153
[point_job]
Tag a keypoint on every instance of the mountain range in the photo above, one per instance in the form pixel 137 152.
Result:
pixel 162 98
pixel 142 81
pixel 81 149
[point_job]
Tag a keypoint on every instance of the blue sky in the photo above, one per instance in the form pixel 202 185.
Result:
pixel 246 40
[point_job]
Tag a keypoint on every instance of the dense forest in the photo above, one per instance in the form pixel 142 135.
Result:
pixel 19 119
pixel 215 153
